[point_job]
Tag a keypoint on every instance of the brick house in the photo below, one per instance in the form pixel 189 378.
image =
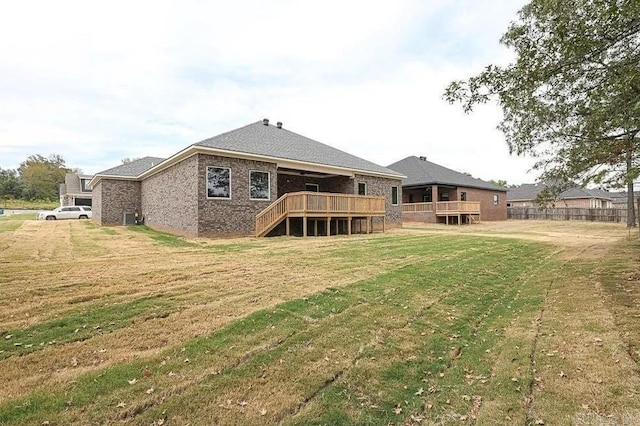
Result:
pixel 259 180
pixel 435 194
pixel 76 191
pixel 577 197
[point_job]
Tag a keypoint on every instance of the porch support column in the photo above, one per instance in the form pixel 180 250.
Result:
pixel 304 226
pixel 434 198
pixel 328 226
pixel 368 219
pixel 288 226
pixel 315 227
pixel 349 225
pixel 384 219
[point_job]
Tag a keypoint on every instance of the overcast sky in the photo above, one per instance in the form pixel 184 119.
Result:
pixel 97 82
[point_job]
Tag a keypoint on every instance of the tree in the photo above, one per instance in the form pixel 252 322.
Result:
pixel 499 182
pixel 129 159
pixel 41 176
pixel 571 99
pixel 10 186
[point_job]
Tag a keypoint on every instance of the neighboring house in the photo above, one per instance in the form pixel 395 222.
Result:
pixel 619 199
pixel 260 180
pixel 525 196
pixel 76 191
pixel 436 194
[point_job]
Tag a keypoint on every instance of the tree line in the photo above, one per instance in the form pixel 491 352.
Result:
pixel 37 178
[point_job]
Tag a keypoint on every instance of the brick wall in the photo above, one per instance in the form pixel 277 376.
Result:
pixel 488 211
pixel 97 203
pixel 381 187
pixel 170 198
pixel 235 216
pixel 112 198
pixel 296 183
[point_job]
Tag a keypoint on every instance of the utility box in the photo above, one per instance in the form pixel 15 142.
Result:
pixel 129 219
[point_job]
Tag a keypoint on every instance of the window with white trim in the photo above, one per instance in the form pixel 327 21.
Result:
pixel 259 185
pixel 218 182
pixel 496 199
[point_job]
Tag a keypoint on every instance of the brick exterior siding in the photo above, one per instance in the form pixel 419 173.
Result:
pixel 488 210
pixel 169 198
pixel 381 187
pixel 235 216
pixel 113 198
pixel 175 199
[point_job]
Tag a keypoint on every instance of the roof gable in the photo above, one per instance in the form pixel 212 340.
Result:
pixel 423 172
pixel 279 143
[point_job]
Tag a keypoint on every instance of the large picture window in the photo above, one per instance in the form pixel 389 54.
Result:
pixel 218 182
pixel 259 185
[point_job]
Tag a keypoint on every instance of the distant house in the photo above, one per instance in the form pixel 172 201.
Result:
pixel 259 180
pixel 76 191
pixel 576 196
pixel 433 193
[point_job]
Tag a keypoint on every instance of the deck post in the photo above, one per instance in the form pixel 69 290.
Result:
pixel 315 227
pixel 304 226
pixel 328 226
pixel 368 219
pixel 349 221
pixel 384 219
pixel 288 226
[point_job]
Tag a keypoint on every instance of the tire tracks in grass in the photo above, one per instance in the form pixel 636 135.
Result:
pixel 529 397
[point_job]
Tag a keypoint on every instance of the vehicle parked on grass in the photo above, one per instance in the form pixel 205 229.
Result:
pixel 66 212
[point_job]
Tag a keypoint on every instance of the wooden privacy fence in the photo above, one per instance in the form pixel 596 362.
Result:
pixel 567 213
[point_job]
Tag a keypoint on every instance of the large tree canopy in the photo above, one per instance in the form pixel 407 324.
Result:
pixel 571 99
pixel 40 176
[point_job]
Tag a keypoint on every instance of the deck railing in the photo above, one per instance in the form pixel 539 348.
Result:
pixel 317 203
pixel 443 207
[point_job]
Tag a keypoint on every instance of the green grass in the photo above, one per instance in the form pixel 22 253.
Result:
pixel 162 238
pixel 81 325
pixel 423 340
pixel 29 204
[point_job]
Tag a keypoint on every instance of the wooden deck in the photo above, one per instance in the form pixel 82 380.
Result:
pixel 460 210
pixel 320 206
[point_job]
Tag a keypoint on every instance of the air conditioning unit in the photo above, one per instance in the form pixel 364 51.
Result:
pixel 129 219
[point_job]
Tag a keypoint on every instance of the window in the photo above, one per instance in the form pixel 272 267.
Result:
pixel 463 196
pixel 87 209
pixel 218 182
pixel 496 199
pixel 444 196
pixel 362 188
pixel 84 185
pixel 394 195
pixel 70 209
pixel 259 185
pixel 312 187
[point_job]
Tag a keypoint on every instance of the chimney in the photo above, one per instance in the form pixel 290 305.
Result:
pixel 423 158
pixel 265 121
pixel 279 124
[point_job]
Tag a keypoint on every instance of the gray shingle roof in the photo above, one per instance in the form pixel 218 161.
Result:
pixel 270 141
pixel 133 168
pixel 423 172
pixel 529 191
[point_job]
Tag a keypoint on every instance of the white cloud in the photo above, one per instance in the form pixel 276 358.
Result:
pixel 100 82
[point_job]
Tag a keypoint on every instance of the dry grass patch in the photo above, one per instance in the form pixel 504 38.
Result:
pixel 418 326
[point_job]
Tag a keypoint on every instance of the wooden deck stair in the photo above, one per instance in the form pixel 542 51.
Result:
pixel 317 205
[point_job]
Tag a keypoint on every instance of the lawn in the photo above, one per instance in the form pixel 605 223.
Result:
pixel 513 323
